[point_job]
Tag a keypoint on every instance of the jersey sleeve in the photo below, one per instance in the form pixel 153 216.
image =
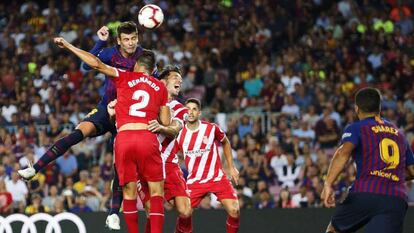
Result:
pixel 181 114
pixel 163 95
pixel 104 54
pixel 219 133
pixel 409 156
pixel 122 75
pixel 351 134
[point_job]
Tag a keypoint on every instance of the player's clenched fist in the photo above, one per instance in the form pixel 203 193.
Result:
pixel 59 41
pixel 103 33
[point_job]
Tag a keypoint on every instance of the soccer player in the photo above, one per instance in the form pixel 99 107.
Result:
pixel 199 141
pixel 96 123
pixel 175 188
pixel 141 98
pixel 378 196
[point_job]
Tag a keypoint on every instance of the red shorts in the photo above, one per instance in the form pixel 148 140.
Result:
pixel 222 189
pixel 174 185
pixel 137 154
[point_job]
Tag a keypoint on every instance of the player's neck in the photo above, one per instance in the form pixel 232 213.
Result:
pixel 363 116
pixel 142 70
pixel 193 125
pixel 124 54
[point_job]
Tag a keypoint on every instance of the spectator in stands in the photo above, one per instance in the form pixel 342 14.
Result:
pixel 6 199
pixel 18 190
pixel 288 175
pixel 36 205
pixel 285 200
pixel 68 164
pixel 50 200
pixel 80 206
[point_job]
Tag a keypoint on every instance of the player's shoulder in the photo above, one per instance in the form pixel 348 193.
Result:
pixel 354 126
pixel 210 124
pixel 175 104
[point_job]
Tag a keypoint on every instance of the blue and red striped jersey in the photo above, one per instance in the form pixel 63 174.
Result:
pixel 113 57
pixel 381 155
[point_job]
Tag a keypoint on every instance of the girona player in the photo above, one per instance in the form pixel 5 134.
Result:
pixel 198 141
pixel 140 99
pixel 175 188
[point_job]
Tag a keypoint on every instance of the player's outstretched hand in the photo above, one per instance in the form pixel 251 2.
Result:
pixel 234 173
pixel 154 126
pixel 103 33
pixel 328 196
pixel 59 41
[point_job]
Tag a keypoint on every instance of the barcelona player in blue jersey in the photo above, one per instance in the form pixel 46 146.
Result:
pixel 124 56
pixel 384 161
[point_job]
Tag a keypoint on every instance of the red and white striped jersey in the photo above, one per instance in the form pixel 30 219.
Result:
pixel 178 112
pixel 200 149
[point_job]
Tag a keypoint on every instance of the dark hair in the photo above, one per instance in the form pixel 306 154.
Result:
pixel 147 59
pixel 368 100
pixel 195 101
pixel 127 27
pixel 165 72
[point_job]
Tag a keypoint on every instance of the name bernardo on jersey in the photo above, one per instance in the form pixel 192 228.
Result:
pixel 135 82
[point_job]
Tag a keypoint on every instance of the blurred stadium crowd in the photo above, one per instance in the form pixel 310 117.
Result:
pixel 277 75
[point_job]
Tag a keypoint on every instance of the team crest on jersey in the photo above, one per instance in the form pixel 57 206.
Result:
pixel 205 139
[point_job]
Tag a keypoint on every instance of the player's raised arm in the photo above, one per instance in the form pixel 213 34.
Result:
pixel 87 57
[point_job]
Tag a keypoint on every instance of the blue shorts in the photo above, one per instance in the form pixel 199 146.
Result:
pixel 380 213
pixel 100 118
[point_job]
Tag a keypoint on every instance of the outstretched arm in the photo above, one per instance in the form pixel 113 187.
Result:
pixel 87 57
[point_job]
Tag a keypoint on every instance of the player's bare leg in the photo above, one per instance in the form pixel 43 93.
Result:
pixel 130 206
pixel 83 130
pixel 331 229
pixel 156 213
pixel 233 210
pixel 184 221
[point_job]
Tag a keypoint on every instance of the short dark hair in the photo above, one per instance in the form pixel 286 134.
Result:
pixel 165 72
pixel 368 100
pixel 127 27
pixel 194 101
pixel 147 59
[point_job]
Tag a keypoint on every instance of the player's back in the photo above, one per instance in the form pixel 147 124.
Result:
pixel 380 155
pixel 139 97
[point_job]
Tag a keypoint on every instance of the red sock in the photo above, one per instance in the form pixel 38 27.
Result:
pixel 131 215
pixel 157 214
pixel 184 225
pixel 232 224
pixel 148 226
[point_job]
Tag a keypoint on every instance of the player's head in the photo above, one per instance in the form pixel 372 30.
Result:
pixel 127 37
pixel 170 75
pixel 145 62
pixel 194 109
pixel 368 101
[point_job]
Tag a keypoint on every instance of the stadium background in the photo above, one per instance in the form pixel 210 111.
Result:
pixel 277 75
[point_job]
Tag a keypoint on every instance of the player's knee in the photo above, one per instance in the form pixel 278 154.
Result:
pixel 184 211
pixel 130 190
pixel 234 211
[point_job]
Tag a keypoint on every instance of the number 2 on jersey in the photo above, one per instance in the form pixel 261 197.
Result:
pixel 391 159
pixel 143 97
